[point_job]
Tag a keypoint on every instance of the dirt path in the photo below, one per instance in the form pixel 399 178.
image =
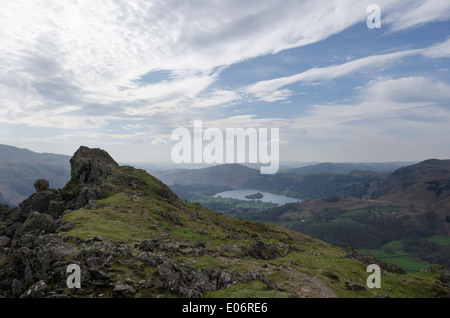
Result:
pixel 304 286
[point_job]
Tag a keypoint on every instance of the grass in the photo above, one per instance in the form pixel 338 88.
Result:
pixel 133 218
pixel 118 219
pixel 392 253
pixel 238 204
pixel 347 217
pixel 254 289
pixel 441 239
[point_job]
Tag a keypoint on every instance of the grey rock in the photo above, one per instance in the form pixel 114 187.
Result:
pixel 354 286
pixel 171 218
pixel 91 166
pixel 265 251
pixel 37 290
pixel 55 209
pixel 4 241
pixel 123 291
pixel 37 223
pixel 41 185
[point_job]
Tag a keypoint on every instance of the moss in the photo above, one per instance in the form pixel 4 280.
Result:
pixel 254 289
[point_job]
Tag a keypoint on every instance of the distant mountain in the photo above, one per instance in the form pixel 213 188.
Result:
pixel 234 176
pixel 2 200
pixel 345 168
pixel 426 184
pixel 20 168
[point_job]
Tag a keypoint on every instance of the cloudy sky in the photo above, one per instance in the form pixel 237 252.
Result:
pixel 122 75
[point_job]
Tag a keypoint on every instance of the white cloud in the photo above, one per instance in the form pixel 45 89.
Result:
pixel 81 65
pixel 395 119
pixel 438 50
pixel 414 13
pixel 327 73
pixel 96 52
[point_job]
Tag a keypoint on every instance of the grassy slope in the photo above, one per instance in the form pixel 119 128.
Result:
pixel 134 217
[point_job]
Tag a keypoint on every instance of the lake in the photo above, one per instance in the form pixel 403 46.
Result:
pixel 267 196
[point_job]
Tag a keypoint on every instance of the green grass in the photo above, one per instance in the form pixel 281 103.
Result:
pixel 441 239
pixel 132 218
pixel 392 253
pixel 254 289
pixel 120 219
pixel 239 204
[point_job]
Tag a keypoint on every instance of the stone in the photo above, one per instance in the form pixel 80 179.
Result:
pixel 4 241
pixel 37 223
pixel 91 166
pixel 41 185
pixel 55 209
pixel 123 291
pixel 37 290
pixel 171 218
pixel 261 250
pixel 330 274
pixel 354 286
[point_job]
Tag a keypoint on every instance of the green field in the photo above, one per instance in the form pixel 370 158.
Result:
pixel 441 239
pixel 348 216
pixel 392 253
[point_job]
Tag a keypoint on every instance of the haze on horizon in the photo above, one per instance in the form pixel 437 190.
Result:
pixel 122 76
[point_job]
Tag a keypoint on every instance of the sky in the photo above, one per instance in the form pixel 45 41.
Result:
pixel 122 75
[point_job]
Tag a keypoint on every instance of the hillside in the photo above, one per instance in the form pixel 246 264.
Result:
pixel 411 206
pixel 133 237
pixel 346 168
pixel 188 182
pixel 19 168
pixel 232 176
pixel 426 184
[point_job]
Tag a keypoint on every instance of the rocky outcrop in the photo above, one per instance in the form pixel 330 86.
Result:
pixel 32 254
pixel 190 282
pixel 91 166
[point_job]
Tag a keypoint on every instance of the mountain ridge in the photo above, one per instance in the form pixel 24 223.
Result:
pixel 133 237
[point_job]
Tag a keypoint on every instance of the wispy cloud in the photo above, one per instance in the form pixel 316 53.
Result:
pixel 133 70
pixel 413 13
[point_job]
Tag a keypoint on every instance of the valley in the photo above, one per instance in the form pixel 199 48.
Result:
pixel 368 210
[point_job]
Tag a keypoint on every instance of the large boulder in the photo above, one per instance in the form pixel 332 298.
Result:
pixel 91 166
pixel 261 250
pixel 38 223
pixel 41 185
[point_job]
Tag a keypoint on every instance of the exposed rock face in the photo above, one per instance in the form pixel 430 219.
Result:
pixel 30 251
pixel 91 166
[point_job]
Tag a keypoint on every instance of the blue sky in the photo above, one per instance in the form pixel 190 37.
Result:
pixel 123 75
